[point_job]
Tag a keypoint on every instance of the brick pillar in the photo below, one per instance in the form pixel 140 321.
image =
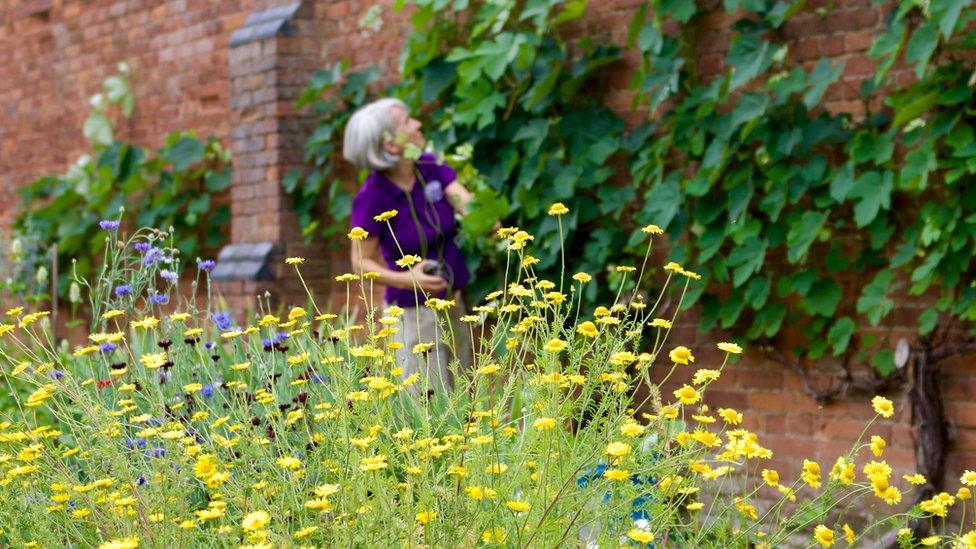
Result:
pixel 271 58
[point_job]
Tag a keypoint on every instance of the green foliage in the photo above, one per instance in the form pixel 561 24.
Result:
pixel 175 186
pixel 799 213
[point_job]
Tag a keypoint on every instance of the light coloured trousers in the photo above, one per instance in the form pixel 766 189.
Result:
pixel 452 345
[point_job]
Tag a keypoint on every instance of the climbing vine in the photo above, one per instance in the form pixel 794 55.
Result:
pixel 802 221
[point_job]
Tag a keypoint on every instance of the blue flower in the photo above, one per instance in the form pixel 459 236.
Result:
pixel 57 375
pixel 159 299
pixel 206 265
pixel 109 225
pixel 207 391
pixel 141 480
pixel 168 275
pixel 132 443
pixel 153 255
pixel 280 337
pixel 142 247
pixel 209 345
pixel 108 347
pixel 434 191
pixel 223 320
pixel 156 452
pixel 123 290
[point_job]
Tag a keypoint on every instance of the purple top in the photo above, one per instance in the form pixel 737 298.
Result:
pixel 434 215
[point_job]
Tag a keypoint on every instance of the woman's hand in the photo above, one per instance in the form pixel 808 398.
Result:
pixel 428 283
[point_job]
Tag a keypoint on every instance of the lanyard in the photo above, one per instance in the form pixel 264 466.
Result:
pixel 434 220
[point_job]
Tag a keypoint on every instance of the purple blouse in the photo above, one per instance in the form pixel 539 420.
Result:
pixel 434 219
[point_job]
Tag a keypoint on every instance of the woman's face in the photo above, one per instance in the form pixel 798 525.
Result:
pixel 407 131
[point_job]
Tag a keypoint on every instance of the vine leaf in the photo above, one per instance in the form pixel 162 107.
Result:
pixel 873 192
pixel 801 235
pixel 839 335
pixel 823 75
pixel 921 45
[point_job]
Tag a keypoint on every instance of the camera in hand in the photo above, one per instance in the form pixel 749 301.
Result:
pixel 434 268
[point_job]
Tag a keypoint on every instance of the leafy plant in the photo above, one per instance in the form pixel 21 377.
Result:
pixel 179 185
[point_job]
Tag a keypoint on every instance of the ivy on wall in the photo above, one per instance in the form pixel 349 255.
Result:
pixel 796 216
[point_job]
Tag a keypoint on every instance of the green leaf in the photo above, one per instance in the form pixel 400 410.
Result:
pixel 927 320
pixel 184 153
pixel 436 77
pixel 921 45
pixel 572 10
pixel 842 182
pixel 747 259
pixel 873 192
pixel 821 77
pixel 823 297
pixel 802 234
pixel 946 13
pixel 749 56
pixel 839 335
pixel 680 10
pixel 217 181
pixel 884 361
pixel 98 129
pixel 874 301
pixel 661 203
pixel 918 106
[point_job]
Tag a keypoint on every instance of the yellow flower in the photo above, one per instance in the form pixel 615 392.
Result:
pixel 811 473
pixel 295 260
pixel 964 493
pixel 770 476
pixel 555 345
pixel 385 216
pixel 823 535
pixel 968 478
pixel 305 532
pixel 122 543
pixel 730 416
pixel 408 261
pixel 518 506
pixel 618 449
pixel 651 229
pixel 681 355
pixel 358 233
pixel 704 376
pixel 660 323
pixel 877 445
pixel 916 479
pixel 582 278
pixel 495 535
pixel 147 323
pixel 640 536
pixel 929 541
pixel 558 209
pixel 424 517
pixel 730 348
pixel 489 369
pixel 687 395
pixel 255 521
pixel 849 535
pixel 587 329
pixel 544 423
pixel 374 463
pixel 616 474
pixel 883 406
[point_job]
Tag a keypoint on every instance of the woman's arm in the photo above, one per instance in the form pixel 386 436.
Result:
pixel 370 259
pixel 458 197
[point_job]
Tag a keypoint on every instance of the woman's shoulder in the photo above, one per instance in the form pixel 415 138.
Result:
pixel 434 168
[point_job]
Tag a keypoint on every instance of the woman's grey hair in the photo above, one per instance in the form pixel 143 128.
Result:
pixel 365 132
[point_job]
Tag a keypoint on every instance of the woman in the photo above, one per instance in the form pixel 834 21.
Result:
pixel 426 196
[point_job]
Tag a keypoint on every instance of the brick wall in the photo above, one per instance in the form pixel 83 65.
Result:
pixel 54 55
